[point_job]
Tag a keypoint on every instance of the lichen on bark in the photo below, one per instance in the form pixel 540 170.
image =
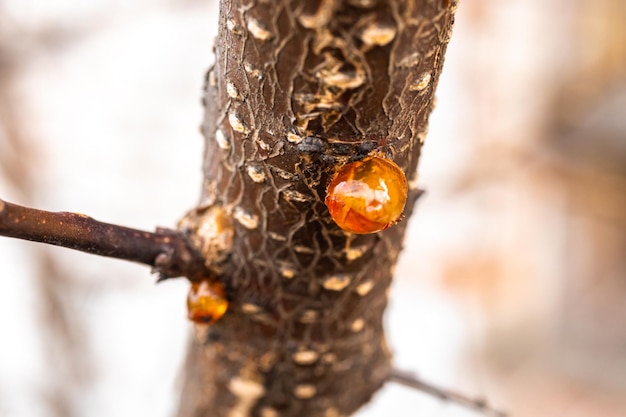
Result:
pixel 298 89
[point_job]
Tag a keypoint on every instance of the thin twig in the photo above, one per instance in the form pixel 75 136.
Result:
pixel 412 381
pixel 167 251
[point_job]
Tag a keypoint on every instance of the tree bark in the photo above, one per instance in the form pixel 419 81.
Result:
pixel 298 89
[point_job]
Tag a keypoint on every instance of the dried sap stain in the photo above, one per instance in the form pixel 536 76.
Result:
pixel 367 196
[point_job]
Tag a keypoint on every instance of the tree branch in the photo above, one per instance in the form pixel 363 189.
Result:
pixel 168 251
pixel 412 381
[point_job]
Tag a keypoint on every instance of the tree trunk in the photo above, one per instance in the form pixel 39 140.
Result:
pixel 298 89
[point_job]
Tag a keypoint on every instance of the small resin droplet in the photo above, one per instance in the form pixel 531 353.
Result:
pixel 367 196
pixel 206 302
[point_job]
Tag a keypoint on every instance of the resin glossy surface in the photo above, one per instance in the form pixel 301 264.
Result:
pixel 367 196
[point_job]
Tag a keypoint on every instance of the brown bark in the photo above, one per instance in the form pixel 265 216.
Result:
pixel 299 88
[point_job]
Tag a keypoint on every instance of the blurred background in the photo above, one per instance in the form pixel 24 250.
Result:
pixel 512 284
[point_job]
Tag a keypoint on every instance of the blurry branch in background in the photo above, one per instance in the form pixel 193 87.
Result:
pixel 167 251
pixel 412 381
pixel 68 371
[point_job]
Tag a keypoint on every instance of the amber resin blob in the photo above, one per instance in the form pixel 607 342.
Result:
pixel 206 302
pixel 367 196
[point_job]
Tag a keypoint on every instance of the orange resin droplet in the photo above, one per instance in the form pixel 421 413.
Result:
pixel 367 196
pixel 206 302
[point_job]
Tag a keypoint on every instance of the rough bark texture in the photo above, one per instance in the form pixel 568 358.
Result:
pixel 298 89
